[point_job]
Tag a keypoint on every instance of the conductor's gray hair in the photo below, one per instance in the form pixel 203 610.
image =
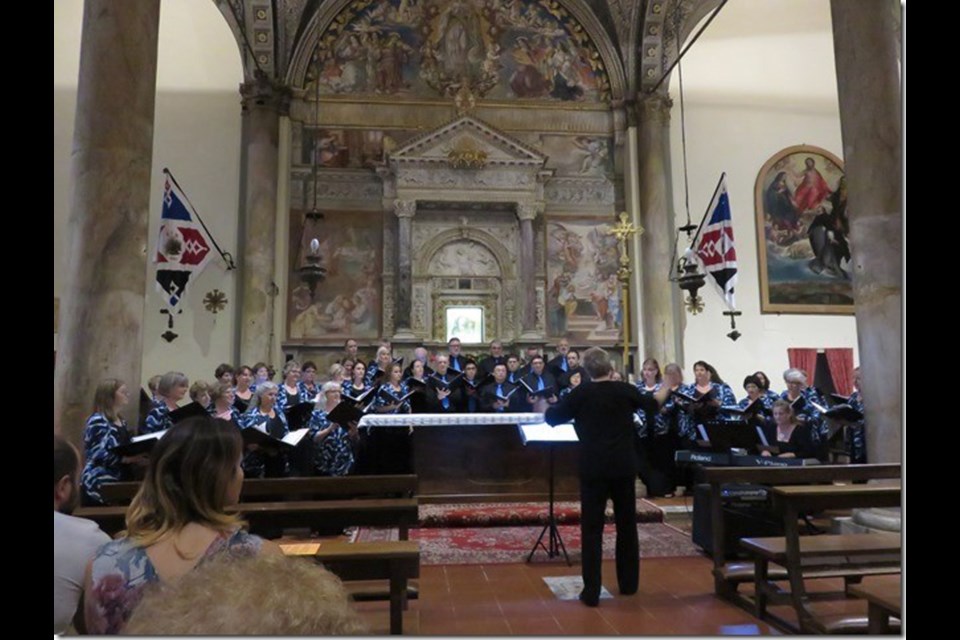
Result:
pixel 597 362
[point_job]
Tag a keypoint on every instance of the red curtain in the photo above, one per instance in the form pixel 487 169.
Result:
pixel 806 361
pixel 840 362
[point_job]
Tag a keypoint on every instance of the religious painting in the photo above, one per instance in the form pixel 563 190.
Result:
pixel 465 323
pixel 353 148
pixel 347 301
pixel 579 155
pixel 529 49
pixel 583 294
pixel 803 233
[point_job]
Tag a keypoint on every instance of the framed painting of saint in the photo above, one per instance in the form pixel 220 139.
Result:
pixel 803 233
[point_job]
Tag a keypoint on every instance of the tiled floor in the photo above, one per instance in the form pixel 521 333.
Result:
pixel 676 597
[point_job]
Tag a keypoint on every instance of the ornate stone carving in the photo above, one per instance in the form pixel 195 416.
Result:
pixel 464 258
pixel 541 304
pixel 419 313
pixel 509 311
pixel 529 210
pixel 579 191
pixel 263 91
pixel 436 240
pixel 388 307
pixel 654 109
pixel 454 179
pixel 339 184
pixel 405 208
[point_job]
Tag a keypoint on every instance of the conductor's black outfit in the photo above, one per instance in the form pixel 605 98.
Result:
pixel 603 419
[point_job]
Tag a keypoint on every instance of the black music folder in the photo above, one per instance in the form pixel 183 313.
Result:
pixel 139 445
pixel 298 415
pixel 188 411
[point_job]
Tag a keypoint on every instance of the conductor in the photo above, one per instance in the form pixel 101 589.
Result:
pixel 602 411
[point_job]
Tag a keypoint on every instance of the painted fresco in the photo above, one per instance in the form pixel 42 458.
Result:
pixel 579 155
pixel 525 49
pixel 803 233
pixel 353 148
pixel 348 302
pixel 583 294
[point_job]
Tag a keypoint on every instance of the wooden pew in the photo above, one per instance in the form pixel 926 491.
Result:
pixel 884 596
pixel 728 576
pixel 847 556
pixel 314 488
pixel 397 562
pixel 790 502
pixel 399 512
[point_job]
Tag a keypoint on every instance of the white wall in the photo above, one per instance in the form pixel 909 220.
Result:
pixel 761 78
pixel 196 135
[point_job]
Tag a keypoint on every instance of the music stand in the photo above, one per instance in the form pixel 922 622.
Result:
pixel 542 432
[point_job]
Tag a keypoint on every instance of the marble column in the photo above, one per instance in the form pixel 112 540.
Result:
pixel 663 320
pixel 868 82
pixel 101 321
pixel 263 102
pixel 404 210
pixel 527 213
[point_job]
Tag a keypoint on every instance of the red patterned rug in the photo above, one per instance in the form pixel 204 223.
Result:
pixel 510 514
pixel 500 545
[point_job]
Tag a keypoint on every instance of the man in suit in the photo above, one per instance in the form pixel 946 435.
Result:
pixel 602 411
pixel 457 361
pixel 540 380
pixel 492 394
pixel 558 365
pixel 496 357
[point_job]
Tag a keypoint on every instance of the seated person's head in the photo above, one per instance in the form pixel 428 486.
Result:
pixel 193 476
pixel 263 595
pixel 66 463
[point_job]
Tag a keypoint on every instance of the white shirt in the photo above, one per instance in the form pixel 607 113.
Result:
pixel 74 542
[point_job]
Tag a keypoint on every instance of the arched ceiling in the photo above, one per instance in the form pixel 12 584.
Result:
pixel 634 40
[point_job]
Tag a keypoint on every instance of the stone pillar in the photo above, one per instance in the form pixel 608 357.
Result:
pixel 663 318
pixel 101 322
pixel 526 213
pixel 868 82
pixel 404 210
pixel 263 103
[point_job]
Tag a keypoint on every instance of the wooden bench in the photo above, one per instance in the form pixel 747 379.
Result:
pixel 884 599
pixel 848 556
pixel 399 512
pixel 397 562
pixel 792 501
pixel 728 576
pixel 315 488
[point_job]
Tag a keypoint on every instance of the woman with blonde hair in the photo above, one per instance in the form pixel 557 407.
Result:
pixel 791 437
pixel 105 430
pixel 177 520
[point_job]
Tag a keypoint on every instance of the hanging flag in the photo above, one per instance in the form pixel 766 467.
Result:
pixel 714 247
pixel 183 247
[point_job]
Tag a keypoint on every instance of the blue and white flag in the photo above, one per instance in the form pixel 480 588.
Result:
pixel 183 247
pixel 714 248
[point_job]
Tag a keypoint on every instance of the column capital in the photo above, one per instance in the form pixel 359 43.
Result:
pixel 529 210
pixel 655 109
pixel 263 91
pixel 404 208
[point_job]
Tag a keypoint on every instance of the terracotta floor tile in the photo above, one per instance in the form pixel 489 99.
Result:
pixel 533 626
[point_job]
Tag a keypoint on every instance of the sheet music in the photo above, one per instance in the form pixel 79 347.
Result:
pixel 542 432
pixel 448 419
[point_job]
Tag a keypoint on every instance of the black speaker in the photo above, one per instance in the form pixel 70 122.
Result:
pixel 746 511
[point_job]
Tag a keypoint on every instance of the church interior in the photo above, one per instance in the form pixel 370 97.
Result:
pixel 265 181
